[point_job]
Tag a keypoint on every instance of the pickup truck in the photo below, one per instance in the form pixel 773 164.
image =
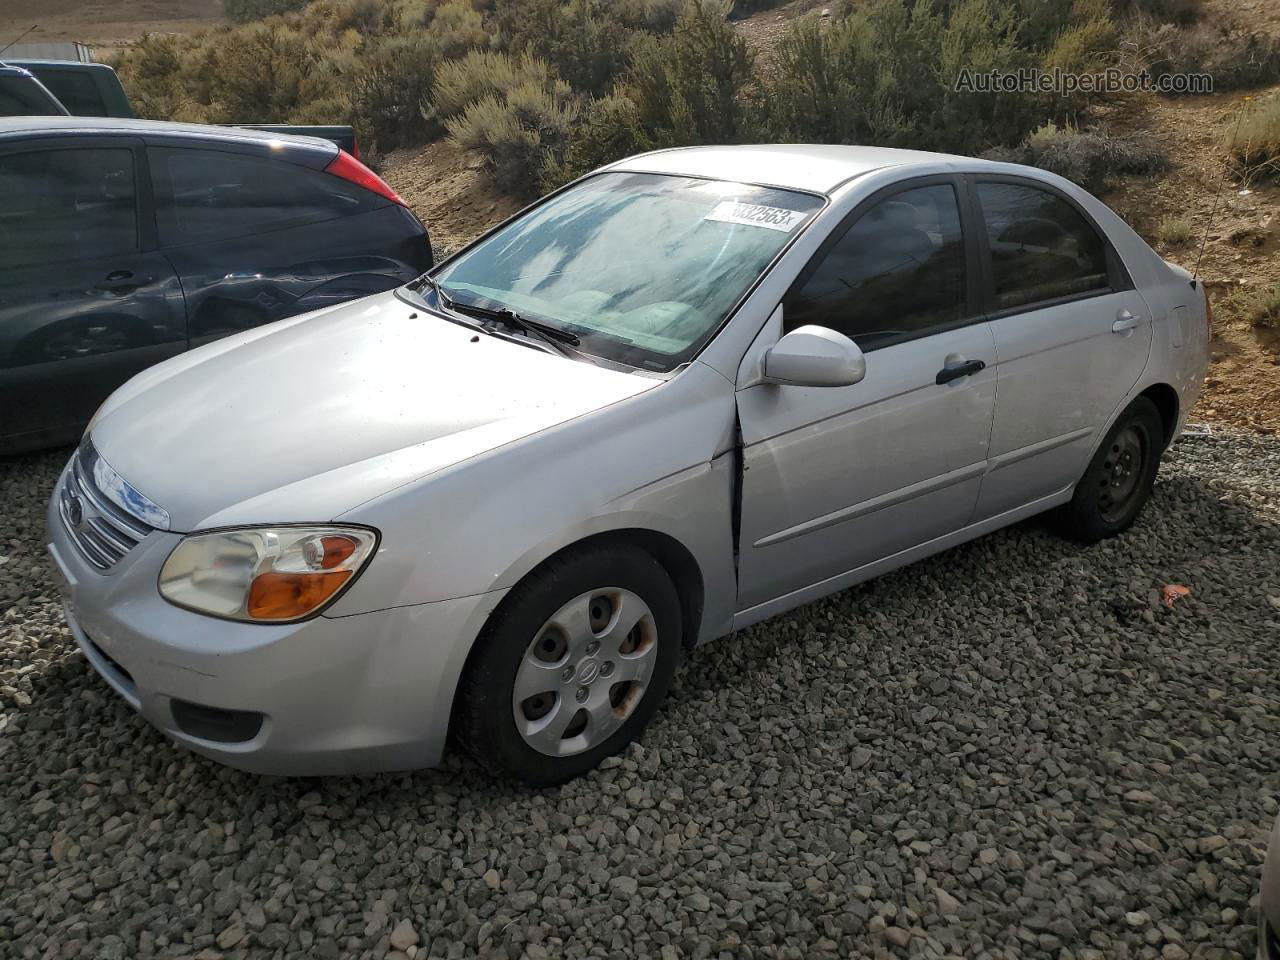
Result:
pixel 94 90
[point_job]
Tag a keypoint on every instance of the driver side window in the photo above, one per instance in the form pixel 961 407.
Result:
pixel 898 271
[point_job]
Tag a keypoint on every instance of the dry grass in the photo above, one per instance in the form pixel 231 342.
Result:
pixel 1253 141
pixel 1174 231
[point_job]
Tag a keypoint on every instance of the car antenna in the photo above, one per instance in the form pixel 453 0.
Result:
pixel 18 37
pixel 1213 214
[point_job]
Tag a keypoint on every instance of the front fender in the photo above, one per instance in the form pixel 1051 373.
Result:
pixel 661 461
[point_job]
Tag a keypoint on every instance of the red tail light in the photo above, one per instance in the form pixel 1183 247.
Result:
pixel 347 167
pixel 1208 315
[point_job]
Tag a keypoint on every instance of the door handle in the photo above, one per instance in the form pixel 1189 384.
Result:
pixel 1125 321
pixel 969 367
pixel 120 281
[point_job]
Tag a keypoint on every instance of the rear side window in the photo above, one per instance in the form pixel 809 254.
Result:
pixel 23 97
pixel 77 91
pixel 210 195
pixel 67 204
pixel 897 273
pixel 1041 247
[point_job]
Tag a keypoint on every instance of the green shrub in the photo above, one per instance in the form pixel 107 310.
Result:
pixel 393 83
pixel 689 87
pixel 519 135
pixel 242 11
pixel 586 41
pixel 481 73
pixel 606 129
pixel 262 74
pixel 1253 141
pixel 889 76
pixel 831 84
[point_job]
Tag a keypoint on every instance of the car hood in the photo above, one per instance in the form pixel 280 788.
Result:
pixel 305 419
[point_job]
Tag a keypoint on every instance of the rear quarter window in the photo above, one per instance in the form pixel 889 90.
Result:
pixel 22 97
pixel 1041 247
pixel 77 91
pixel 204 195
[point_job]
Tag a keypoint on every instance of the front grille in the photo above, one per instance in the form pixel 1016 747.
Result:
pixel 103 532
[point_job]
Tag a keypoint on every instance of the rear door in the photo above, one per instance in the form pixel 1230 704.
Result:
pixel 837 478
pixel 85 300
pixel 1071 332
pixel 257 239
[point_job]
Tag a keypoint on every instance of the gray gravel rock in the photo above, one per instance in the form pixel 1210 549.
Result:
pixel 1007 750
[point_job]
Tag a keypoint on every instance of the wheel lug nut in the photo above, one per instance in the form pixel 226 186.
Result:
pixel 593 647
pixel 582 694
pixel 566 674
pixel 606 668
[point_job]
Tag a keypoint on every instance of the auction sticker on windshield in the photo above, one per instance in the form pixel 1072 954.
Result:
pixel 755 215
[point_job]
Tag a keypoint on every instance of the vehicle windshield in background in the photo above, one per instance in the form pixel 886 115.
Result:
pixel 643 268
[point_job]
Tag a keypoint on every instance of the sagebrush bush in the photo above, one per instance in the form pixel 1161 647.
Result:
pixel 1253 141
pixel 1258 307
pixel 519 135
pixel 1088 158
pixel 482 73
pixel 1234 57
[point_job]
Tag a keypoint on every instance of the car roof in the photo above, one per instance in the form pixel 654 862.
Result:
pixel 796 166
pixel 150 128
pixel 13 70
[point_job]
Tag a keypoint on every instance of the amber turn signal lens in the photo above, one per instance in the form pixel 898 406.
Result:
pixel 285 596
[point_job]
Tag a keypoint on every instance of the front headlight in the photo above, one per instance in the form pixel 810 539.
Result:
pixel 265 574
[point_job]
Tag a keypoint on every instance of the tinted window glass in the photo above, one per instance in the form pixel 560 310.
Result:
pixel 66 204
pixel 22 97
pixel 899 270
pixel 1041 247
pixel 77 91
pixel 211 195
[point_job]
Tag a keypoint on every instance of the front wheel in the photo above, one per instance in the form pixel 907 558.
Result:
pixel 1119 478
pixel 572 666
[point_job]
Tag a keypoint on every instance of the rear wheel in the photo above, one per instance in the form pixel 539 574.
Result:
pixel 572 666
pixel 1119 479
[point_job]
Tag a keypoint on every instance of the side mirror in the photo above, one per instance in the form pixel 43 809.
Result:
pixel 814 356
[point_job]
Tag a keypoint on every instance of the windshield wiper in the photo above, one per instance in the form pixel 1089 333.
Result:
pixel 553 337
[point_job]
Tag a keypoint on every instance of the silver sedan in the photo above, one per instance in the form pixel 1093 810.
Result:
pixel 687 392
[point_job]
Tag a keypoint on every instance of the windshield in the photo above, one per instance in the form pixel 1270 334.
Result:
pixel 642 268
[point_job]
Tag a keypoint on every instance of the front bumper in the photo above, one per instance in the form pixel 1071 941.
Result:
pixel 331 695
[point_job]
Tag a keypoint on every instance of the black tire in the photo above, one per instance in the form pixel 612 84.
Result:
pixel 1114 489
pixel 484 719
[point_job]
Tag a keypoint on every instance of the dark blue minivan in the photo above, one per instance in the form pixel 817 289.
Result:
pixel 124 242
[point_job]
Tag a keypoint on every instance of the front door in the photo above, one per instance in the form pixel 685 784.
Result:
pixel 1072 334
pixel 838 478
pixel 83 304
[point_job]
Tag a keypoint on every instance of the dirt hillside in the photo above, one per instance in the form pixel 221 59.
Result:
pixel 103 23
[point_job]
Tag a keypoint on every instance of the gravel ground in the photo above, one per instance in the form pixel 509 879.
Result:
pixel 1013 749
